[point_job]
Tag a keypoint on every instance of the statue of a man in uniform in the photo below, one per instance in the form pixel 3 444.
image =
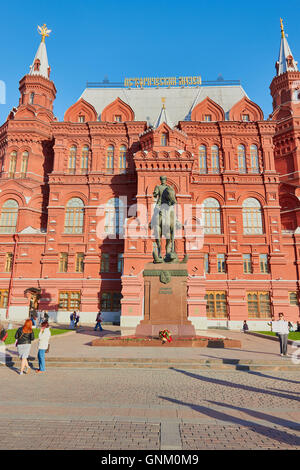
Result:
pixel 164 220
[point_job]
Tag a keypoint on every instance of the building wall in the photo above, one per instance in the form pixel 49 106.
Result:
pixel 51 182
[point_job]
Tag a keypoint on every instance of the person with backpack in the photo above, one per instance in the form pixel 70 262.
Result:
pixel 24 336
pixel 98 322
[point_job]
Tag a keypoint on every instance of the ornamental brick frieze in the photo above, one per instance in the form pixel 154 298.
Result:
pixel 206 180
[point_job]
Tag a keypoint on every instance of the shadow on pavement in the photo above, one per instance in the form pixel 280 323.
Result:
pixel 233 385
pixel 274 434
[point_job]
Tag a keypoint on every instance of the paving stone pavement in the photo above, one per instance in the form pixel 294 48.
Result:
pixel 146 409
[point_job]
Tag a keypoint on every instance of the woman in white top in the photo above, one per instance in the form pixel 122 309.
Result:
pixel 44 337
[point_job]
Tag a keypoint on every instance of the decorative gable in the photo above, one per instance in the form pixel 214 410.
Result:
pixel 81 111
pixel 208 110
pixel 117 111
pixel 246 110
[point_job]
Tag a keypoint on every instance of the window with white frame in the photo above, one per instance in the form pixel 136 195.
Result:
pixel 252 217
pixel 212 216
pixel 74 216
pixel 9 216
pixel 202 159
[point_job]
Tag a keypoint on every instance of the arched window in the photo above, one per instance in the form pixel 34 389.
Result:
pixel 12 164
pixel 31 98
pixel 74 216
pixel 9 216
pixel 114 217
pixel 212 216
pixel 242 158
pixel 72 159
pixel 202 159
pixel 24 164
pixel 215 164
pixel 84 159
pixel 252 217
pixel 110 159
pixel 254 159
pixel 122 158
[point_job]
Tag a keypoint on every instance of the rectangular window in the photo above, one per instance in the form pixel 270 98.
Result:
pixel 216 305
pixel 8 262
pixel 207 117
pixel 221 265
pixel 259 305
pixel 79 263
pixel 118 118
pixel 293 298
pixel 206 263
pixel 120 263
pixel 110 301
pixel 245 117
pixel 69 300
pixel 3 298
pixel 81 119
pixel 105 263
pixel 247 264
pixel 63 262
pixel 263 263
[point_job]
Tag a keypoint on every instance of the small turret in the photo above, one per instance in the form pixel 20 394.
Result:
pixel 36 88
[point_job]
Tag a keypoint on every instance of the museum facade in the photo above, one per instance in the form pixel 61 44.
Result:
pixel 76 196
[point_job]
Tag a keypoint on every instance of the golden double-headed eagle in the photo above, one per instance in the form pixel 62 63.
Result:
pixel 44 31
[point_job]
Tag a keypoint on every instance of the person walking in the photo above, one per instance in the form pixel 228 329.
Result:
pixel 245 326
pixel 72 320
pixel 3 336
pixel 98 322
pixel 44 337
pixel 76 318
pixel 24 335
pixel 281 328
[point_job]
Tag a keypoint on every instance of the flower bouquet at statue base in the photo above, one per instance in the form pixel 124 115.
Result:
pixel 165 336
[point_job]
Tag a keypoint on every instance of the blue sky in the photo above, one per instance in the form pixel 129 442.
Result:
pixel 95 38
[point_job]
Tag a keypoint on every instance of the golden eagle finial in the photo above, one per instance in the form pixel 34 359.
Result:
pixel 281 26
pixel 44 32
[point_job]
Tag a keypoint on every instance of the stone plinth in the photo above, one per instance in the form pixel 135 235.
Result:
pixel 165 300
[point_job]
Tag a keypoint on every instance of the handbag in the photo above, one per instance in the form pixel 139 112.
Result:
pixel 16 342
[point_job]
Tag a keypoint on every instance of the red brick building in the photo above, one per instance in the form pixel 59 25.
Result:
pixel 71 193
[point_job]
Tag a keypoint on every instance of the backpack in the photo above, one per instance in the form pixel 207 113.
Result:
pixel 3 335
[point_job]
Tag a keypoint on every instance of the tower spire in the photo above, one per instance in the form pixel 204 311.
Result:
pixel 163 116
pixel 286 62
pixel 40 64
